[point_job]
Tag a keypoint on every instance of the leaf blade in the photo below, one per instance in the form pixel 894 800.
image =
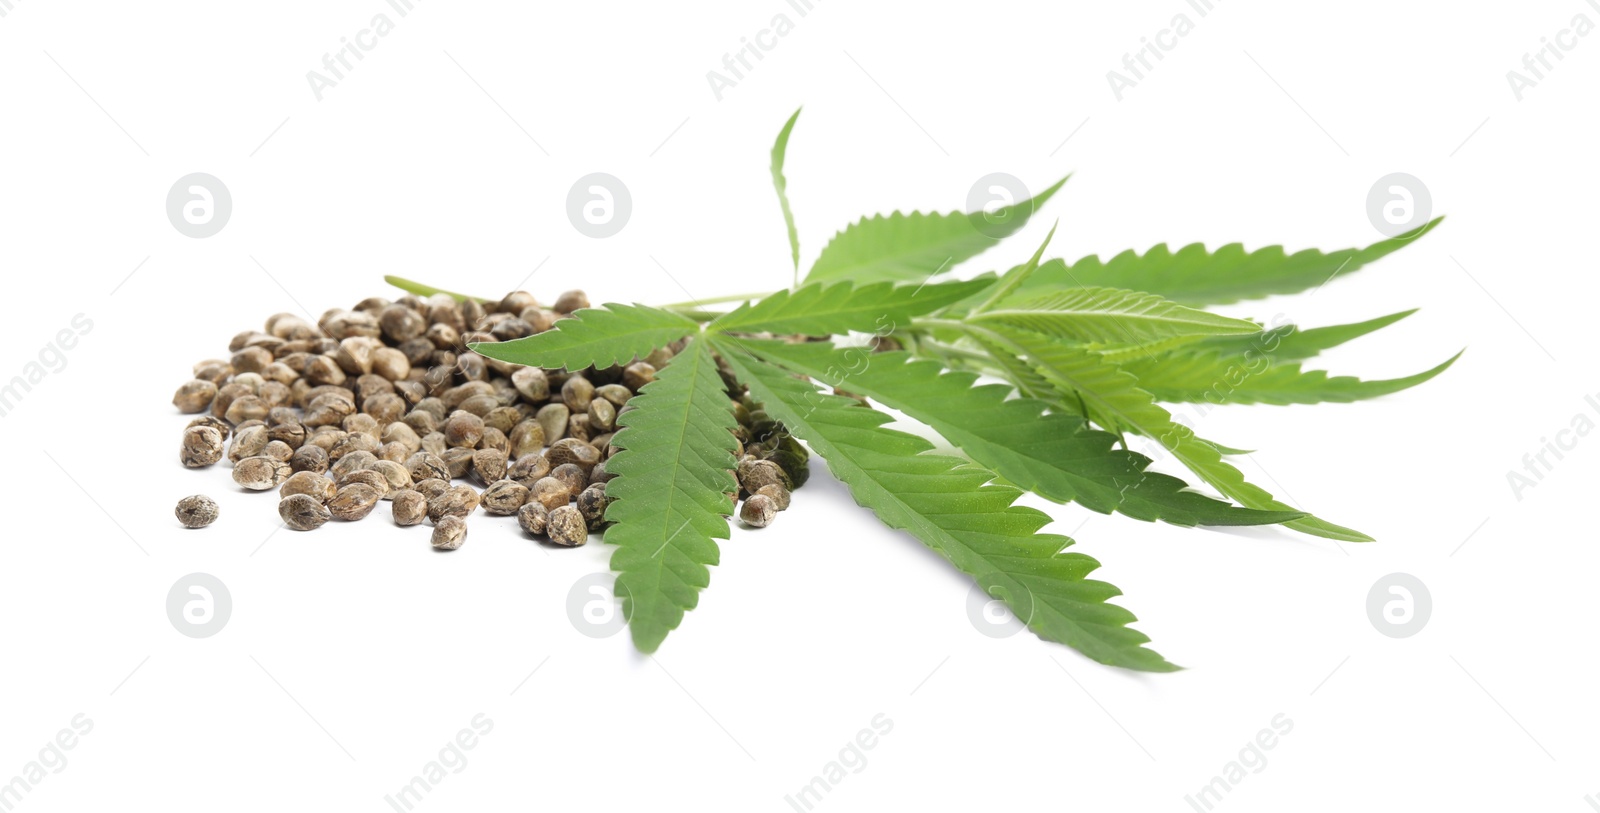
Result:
pixel 1196 276
pixel 780 149
pixel 1217 378
pixel 1112 315
pixel 1055 455
pixel 913 247
pixel 955 510
pixel 1293 343
pixel 594 337
pixel 670 493
pixel 821 309
pixel 1116 395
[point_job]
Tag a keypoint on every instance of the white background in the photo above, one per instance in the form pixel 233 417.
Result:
pixel 354 654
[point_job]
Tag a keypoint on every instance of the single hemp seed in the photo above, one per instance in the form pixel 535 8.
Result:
pixel 197 511
pixel 449 532
pixel 303 512
pixel 758 511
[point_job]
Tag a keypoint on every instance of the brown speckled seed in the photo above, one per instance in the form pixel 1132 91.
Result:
pixel 600 473
pixel 410 507
pixel 449 533
pixel 602 415
pixel 202 446
pixel 197 511
pixel 194 396
pixel 754 474
pixel 777 493
pixel 303 512
pixel 551 493
pixel 426 466
pixel 574 451
pixel 504 497
pixel 532 383
pixel 572 475
pixel 372 478
pixel 394 474
pixel 215 423
pixel 529 469
pixel 354 501
pixel 570 301
pixel 260 473
pixel 459 501
pixel 458 460
pixel 566 527
pixel 248 441
pixel 553 417
pixel 309 458
pixel 463 430
pixel 489 465
pixel 758 511
pixel 432 487
pixel 592 504
pixel 309 483
pixel 638 374
pixel 533 517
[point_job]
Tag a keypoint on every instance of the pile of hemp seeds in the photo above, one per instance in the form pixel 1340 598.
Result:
pixel 384 402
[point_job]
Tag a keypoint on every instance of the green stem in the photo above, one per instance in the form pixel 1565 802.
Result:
pixel 678 306
pixel 427 290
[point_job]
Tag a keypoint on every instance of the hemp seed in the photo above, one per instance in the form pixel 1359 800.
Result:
pixel 777 493
pixel 531 382
pixel 602 415
pixel 571 476
pixel 758 511
pixel 394 475
pixel 431 487
pixel 534 518
pixel 260 473
pixel 197 511
pixel 489 465
pixel 410 508
pixel 570 301
pixel 309 458
pixel 310 484
pixel 377 481
pixel 592 504
pixel 754 474
pixel 449 533
pixel 303 512
pixel 574 451
pixel 504 497
pixel 194 396
pixel 202 446
pixel 459 501
pixel 567 527
pixel 354 502
pixel 550 492
pixel 463 430
pixel 553 417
